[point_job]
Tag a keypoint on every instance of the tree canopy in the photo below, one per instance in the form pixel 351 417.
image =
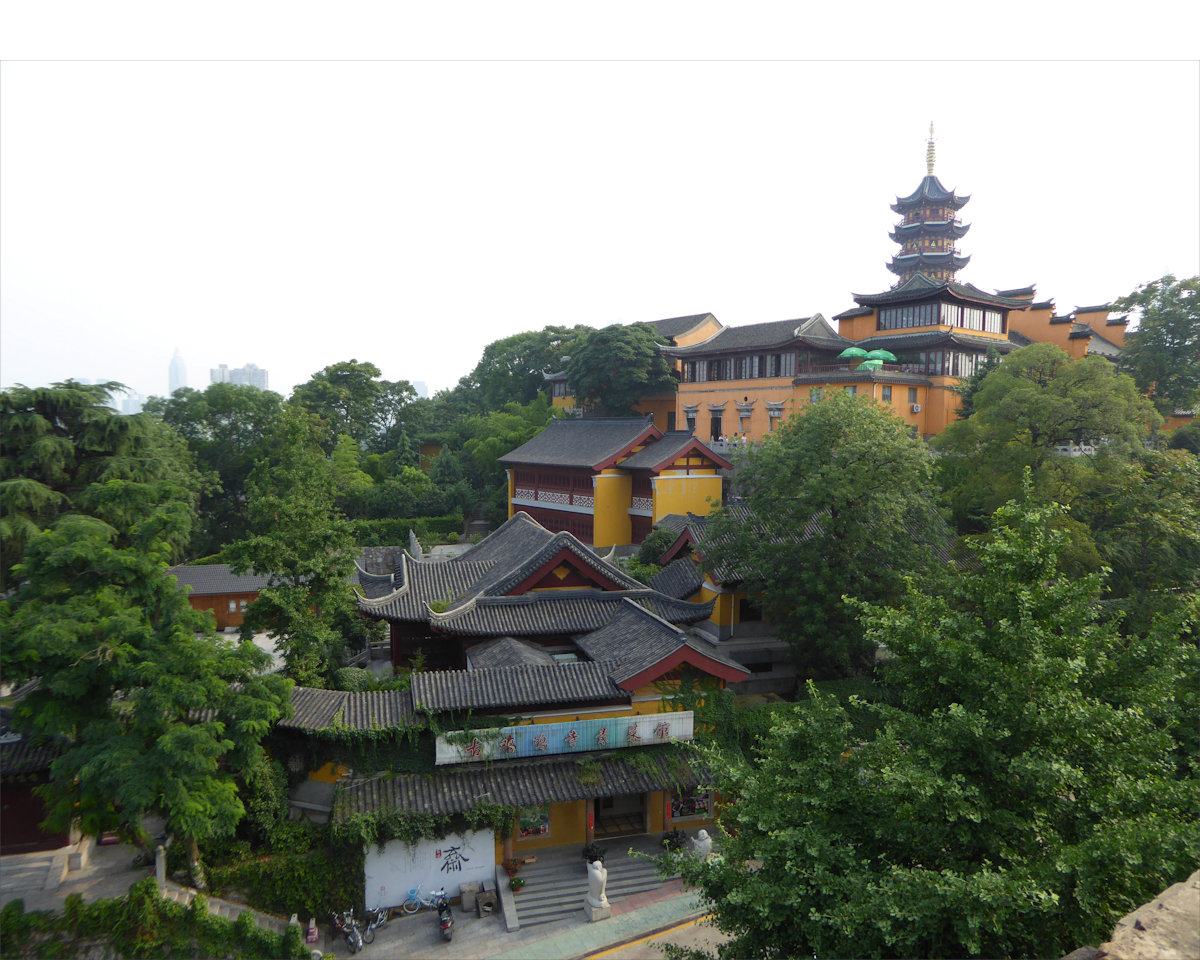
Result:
pixel 299 540
pixel 153 713
pixel 512 370
pixel 1163 353
pixel 350 398
pixel 1037 400
pixel 615 367
pixel 1019 794
pixel 838 501
pixel 229 427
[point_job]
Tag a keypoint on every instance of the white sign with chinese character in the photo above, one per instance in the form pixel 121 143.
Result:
pixel 449 862
pixel 575 736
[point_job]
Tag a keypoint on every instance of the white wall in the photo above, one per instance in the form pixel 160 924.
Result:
pixel 392 872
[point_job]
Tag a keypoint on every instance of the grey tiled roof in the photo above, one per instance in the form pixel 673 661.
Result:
pixel 508 652
pixel 666 450
pixel 519 535
pixel 929 188
pixel 919 285
pixel 379 560
pixel 752 336
pixel 416 584
pixel 674 326
pixel 22 757
pixel 636 640
pixel 517 783
pixel 581 441
pixel 680 578
pixel 861 376
pixel 1019 338
pixel 1028 291
pixel 558 612
pixel 314 710
pixel 210 578
pixel 495 688
pixel 915 341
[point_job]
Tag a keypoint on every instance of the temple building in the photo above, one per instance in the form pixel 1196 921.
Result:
pixel 609 480
pixel 923 335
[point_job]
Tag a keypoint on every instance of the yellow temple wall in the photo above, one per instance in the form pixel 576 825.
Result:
pixel 684 493
pixel 659 407
pixel 857 328
pixel 729 392
pixel 512 492
pixel 611 525
pixel 709 328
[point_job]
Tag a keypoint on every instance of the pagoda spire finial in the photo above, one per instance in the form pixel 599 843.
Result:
pixel 929 153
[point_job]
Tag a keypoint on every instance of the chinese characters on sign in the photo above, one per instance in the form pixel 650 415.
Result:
pixel 454 859
pixel 570 736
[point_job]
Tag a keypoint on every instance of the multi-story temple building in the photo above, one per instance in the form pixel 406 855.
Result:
pixel 743 381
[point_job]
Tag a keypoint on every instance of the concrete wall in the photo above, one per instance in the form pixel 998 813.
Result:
pixel 391 872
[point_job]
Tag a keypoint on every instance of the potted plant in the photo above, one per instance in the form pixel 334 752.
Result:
pixel 512 866
pixel 516 883
pixel 592 852
pixel 674 840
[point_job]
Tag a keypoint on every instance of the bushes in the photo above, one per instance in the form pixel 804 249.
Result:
pixel 141 924
pixel 393 531
pixel 302 883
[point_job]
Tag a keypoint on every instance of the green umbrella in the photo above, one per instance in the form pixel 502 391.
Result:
pixel 851 352
pixel 870 365
pixel 882 355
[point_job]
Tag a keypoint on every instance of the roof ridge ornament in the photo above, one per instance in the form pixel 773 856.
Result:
pixel 929 151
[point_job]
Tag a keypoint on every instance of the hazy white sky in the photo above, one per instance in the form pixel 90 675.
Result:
pixel 294 214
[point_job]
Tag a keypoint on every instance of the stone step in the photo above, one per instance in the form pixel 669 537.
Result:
pixel 559 892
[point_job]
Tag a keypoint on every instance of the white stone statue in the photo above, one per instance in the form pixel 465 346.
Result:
pixel 702 845
pixel 597 878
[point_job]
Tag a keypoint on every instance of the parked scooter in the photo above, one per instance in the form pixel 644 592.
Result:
pixel 347 926
pixel 441 903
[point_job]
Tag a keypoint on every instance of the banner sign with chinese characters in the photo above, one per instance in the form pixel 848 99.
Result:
pixel 577 736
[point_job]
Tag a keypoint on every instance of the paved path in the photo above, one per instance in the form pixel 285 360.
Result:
pixel 109 873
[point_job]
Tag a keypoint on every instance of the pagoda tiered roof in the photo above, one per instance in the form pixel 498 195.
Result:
pixel 929 190
pixel 925 260
pixel 932 228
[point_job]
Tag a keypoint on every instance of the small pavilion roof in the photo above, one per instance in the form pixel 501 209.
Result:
pixel 205 579
pixel 680 578
pixel 314 710
pixel 507 652
pixel 1020 293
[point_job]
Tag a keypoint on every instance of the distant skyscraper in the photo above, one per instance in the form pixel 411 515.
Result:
pixel 176 373
pixel 420 388
pixel 251 375
pixel 133 402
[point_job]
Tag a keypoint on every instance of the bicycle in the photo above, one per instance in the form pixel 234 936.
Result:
pixel 376 919
pixel 416 901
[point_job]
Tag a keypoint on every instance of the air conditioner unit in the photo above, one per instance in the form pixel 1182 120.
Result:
pixel 916 408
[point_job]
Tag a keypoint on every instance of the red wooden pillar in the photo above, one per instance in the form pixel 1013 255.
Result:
pixel 668 796
pixel 590 823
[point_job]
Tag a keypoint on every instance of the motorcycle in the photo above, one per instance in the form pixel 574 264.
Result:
pixel 441 903
pixel 347 926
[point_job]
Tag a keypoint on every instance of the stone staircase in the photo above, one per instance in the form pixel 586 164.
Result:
pixel 556 885
pixel 222 908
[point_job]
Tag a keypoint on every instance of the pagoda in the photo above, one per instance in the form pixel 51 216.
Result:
pixel 929 229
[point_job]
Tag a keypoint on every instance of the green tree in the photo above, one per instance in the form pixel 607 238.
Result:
pixel 229 427
pixel 350 398
pixel 838 501
pixel 1037 400
pixel 299 539
pixel 1019 795
pixel 153 712
pixel 64 450
pixel 613 368
pixel 1163 353
pixel 512 370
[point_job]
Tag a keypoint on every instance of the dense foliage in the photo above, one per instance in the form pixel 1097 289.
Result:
pixel 141 924
pixel 1023 792
pixel 838 501
pixel 154 714
pixel 614 368
pixel 1163 353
